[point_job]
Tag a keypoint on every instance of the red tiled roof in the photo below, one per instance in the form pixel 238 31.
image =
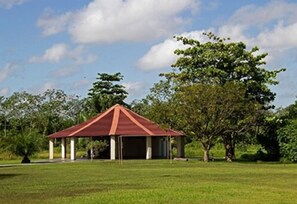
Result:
pixel 118 121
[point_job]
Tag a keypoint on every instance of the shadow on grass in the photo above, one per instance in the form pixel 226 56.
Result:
pixel 6 176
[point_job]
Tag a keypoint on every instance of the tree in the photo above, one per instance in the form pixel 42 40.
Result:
pixel 287 133
pixel 267 134
pixel 205 111
pixel 287 137
pixel 24 144
pixel 106 93
pixel 217 62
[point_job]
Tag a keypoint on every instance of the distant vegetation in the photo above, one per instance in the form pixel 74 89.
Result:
pixel 217 94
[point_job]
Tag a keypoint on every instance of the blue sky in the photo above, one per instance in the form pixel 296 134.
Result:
pixel 62 44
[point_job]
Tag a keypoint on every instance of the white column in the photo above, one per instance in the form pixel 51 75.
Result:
pixel 180 147
pixel 112 148
pixel 63 148
pixel 148 147
pixel 51 149
pixel 72 148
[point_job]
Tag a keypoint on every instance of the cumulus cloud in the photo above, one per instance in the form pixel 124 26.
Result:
pixel 60 51
pixel 272 27
pixel 135 89
pixel 8 70
pixel 162 55
pixel 109 21
pixel 252 15
pixel 52 24
pixel 4 91
pixel 8 4
pixel 280 37
pixel 53 54
pixel 133 86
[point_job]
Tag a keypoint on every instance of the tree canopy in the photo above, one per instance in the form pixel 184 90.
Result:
pixel 106 91
pixel 218 62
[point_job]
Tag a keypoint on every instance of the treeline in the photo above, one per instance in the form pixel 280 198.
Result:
pixel 26 119
pixel 217 92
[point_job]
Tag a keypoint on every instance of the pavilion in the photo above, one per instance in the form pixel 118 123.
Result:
pixel 129 135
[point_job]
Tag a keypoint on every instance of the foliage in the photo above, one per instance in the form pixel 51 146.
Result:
pixel 287 137
pixel 208 111
pixel 267 136
pixel 24 144
pixel 106 92
pixel 218 62
pixel 97 147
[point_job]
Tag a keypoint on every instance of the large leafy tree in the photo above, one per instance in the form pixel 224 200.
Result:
pixel 206 111
pixel 219 61
pixel 106 91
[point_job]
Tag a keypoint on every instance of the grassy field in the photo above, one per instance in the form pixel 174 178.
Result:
pixel 154 181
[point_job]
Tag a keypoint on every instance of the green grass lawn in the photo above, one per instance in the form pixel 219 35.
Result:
pixel 154 181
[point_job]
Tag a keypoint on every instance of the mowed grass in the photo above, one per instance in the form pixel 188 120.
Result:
pixel 153 181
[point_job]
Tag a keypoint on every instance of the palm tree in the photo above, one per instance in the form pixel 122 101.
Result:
pixel 25 144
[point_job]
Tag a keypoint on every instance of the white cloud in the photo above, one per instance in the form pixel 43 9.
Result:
pixel 162 55
pixel 60 51
pixel 261 15
pixel 272 27
pixel 53 24
pixel 135 89
pixel 280 38
pixel 4 91
pixel 53 54
pixel 117 20
pixel 7 71
pixel 8 4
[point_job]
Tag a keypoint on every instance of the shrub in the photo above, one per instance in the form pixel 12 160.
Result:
pixel 98 147
pixel 287 137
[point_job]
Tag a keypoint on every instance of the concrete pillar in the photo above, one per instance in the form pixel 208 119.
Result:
pixel 63 148
pixel 148 147
pixel 51 149
pixel 72 148
pixel 112 148
pixel 180 147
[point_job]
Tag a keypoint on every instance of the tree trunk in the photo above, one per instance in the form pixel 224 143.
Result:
pixel 26 159
pixel 229 148
pixel 229 155
pixel 206 155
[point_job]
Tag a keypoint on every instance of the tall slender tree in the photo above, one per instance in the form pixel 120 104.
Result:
pixel 106 91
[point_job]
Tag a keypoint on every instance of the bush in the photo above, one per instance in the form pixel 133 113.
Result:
pixel 287 137
pixel 98 147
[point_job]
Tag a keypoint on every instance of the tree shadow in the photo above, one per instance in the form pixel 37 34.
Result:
pixel 6 176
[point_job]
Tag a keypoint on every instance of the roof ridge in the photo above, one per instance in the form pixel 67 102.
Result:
pixel 115 120
pixel 91 123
